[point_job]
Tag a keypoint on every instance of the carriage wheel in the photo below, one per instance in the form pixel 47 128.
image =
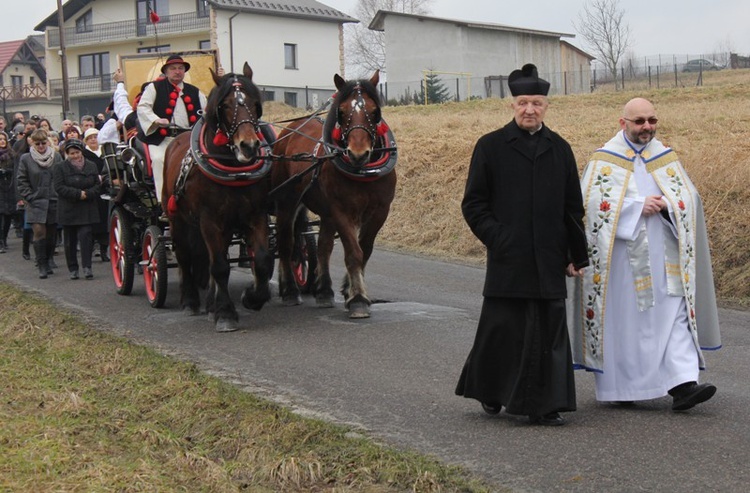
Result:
pixel 304 257
pixel 121 237
pixel 154 252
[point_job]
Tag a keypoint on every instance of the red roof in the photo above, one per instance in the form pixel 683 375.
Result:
pixel 8 50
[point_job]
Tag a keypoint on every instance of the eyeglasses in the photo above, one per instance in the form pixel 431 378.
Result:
pixel 640 121
pixel 40 144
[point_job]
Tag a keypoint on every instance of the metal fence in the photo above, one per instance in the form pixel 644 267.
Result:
pixel 659 71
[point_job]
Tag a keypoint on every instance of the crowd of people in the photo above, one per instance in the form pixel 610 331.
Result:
pixel 38 167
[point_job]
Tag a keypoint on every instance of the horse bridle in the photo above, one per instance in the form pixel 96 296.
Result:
pixel 358 104
pixel 239 101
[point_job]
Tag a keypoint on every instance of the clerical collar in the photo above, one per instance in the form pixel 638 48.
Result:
pixel 532 132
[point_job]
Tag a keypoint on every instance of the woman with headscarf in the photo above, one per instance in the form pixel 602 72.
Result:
pixel 78 185
pixel 35 187
pixel 7 190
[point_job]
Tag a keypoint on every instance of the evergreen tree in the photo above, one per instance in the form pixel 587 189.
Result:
pixel 436 91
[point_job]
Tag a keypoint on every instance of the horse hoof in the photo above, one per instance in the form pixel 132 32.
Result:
pixel 359 309
pixel 252 303
pixel 226 325
pixel 324 302
pixel 191 311
pixel 291 300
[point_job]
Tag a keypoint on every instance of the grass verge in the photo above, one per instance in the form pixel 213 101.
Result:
pixel 82 410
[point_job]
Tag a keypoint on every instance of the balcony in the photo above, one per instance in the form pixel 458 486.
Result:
pixel 83 86
pixel 23 93
pixel 120 31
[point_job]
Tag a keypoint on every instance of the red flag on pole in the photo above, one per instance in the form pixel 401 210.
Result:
pixel 153 17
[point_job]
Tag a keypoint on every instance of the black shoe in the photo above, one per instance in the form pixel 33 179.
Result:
pixel 105 257
pixel 625 403
pixel 549 419
pixel 26 256
pixel 74 274
pixel 88 273
pixel 491 408
pixel 694 394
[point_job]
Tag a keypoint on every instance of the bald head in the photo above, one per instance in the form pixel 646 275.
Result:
pixel 639 120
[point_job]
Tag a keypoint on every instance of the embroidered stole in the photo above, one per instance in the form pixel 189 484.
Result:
pixel 606 182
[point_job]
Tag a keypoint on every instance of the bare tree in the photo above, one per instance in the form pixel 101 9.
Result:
pixel 602 24
pixel 366 48
pixel 722 52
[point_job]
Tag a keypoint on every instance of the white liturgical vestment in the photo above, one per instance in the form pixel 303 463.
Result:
pixel 646 304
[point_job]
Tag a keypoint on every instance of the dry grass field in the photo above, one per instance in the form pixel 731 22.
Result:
pixel 708 126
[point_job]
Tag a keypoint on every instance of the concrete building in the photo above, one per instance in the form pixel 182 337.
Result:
pixel 294 46
pixel 475 58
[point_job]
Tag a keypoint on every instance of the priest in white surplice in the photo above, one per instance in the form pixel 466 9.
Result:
pixel 646 305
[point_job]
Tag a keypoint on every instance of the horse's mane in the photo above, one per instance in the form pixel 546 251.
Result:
pixel 344 94
pixel 220 92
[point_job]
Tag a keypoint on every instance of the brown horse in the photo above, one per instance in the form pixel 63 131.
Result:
pixel 351 188
pixel 216 184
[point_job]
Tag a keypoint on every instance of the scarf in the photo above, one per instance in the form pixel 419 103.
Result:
pixel 5 158
pixel 44 160
pixel 77 163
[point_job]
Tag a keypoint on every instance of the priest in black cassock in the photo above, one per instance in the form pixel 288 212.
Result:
pixel 523 201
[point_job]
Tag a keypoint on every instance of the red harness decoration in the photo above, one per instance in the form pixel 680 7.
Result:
pixel 256 166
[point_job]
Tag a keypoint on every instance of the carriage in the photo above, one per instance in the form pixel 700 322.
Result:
pixel 218 190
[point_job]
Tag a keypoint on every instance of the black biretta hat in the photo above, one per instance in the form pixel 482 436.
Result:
pixel 526 82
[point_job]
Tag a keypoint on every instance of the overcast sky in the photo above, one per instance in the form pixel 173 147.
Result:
pixel 658 26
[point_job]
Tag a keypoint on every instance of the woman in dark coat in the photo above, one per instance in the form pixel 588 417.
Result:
pixel 78 185
pixel 34 182
pixel 7 190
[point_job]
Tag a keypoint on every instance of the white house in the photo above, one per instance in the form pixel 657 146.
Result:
pixel 23 84
pixel 478 56
pixel 294 46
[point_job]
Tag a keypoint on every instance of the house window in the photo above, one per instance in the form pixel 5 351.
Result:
pixel 93 65
pixel 16 80
pixel 85 23
pixel 204 44
pixel 202 8
pixel 154 49
pixel 290 98
pixel 143 20
pixel 268 95
pixel 290 56
pixel 32 81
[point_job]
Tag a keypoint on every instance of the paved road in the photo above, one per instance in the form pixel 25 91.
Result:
pixel 394 376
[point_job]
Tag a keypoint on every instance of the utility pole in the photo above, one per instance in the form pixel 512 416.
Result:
pixel 63 60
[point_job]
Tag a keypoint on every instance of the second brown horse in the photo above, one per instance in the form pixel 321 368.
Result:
pixel 351 189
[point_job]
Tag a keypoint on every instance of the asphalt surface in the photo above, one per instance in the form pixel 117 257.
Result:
pixel 394 375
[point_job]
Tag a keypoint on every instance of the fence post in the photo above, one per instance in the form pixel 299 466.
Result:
pixel 622 76
pixel 649 76
pixel 458 96
pixel 593 87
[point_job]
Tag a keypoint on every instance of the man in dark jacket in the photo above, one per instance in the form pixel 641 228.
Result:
pixel 523 201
